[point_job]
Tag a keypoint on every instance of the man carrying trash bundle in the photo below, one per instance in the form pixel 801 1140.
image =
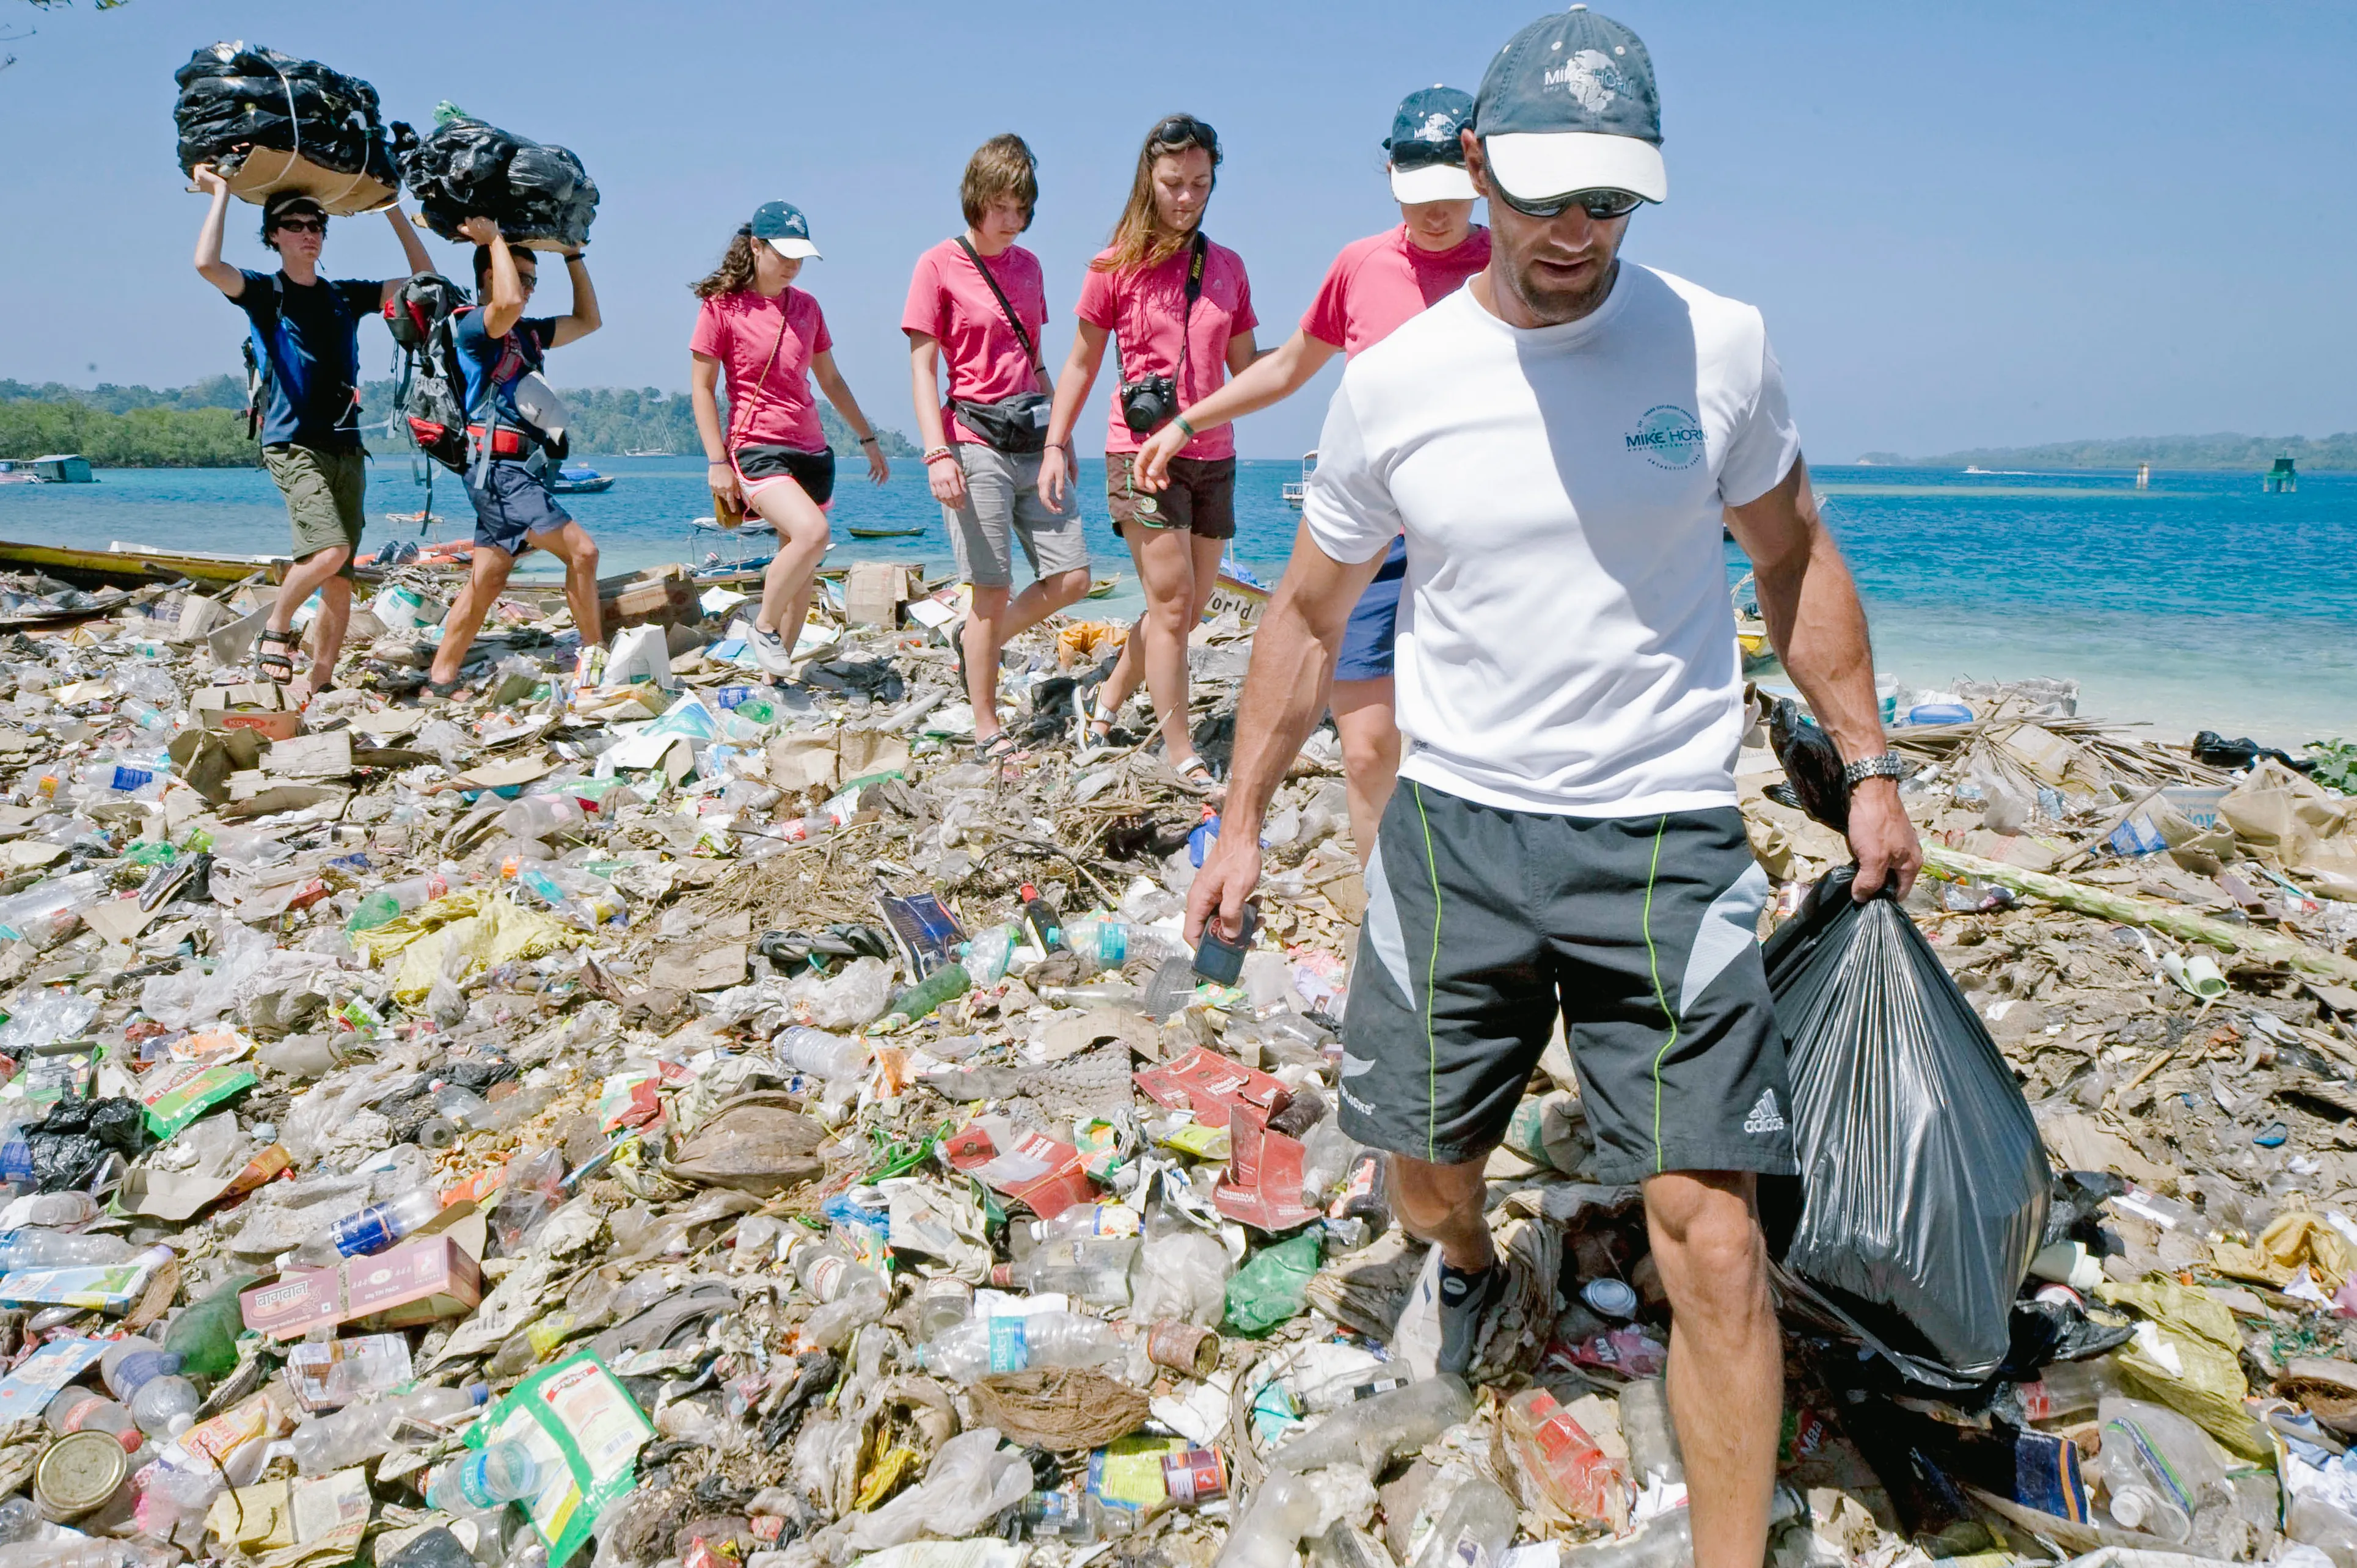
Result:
pixel 1559 441
pixel 305 346
pixel 500 349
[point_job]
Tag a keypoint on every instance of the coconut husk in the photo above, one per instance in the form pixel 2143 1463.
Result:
pixel 1059 1409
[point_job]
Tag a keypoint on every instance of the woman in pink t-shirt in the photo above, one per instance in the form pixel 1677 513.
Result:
pixel 772 458
pixel 1374 285
pixel 1180 307
pixel 977 304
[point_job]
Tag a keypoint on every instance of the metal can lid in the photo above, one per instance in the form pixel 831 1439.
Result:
pixel 80 1471
pixel 1611 1297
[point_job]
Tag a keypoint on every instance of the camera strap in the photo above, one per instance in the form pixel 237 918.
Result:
pixel 1005 307
pixel 1186 312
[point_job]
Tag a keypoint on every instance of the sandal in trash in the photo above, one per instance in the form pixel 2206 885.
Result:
pixel 273 655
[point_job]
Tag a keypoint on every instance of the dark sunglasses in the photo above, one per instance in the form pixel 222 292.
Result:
pixel 1186 131
pixel 301 226
pixel 1600 205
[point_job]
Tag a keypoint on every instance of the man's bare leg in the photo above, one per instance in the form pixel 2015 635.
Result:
pixel 1727 1359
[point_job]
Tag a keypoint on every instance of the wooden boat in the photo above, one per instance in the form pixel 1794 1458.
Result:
pixel 123 565
pixel 858 532
pixel 1103 588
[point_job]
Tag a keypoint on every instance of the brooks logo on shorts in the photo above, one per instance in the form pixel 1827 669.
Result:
pixel 1764 1117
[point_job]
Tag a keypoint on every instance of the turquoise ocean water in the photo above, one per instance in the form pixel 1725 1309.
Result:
pixel 2198 603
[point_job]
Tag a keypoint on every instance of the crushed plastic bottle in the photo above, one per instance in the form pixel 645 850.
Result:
pixel 370 1230
pixel 981 1346
pixel 1105 943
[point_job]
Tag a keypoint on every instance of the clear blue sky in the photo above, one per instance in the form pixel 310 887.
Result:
pixel 1968 224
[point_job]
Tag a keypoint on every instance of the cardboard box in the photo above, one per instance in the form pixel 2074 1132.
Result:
pixel 872 593
pixel 424 1278
pixel 418 1280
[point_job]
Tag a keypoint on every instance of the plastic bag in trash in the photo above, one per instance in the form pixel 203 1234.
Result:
pixel 463 167
pixel 1812 764
pixel 1924 1183
pixel 971 1482
pixel 235 99
pixel 69 1143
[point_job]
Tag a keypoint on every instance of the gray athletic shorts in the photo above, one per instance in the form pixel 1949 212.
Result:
pixel 1480 922
pixel 1002 507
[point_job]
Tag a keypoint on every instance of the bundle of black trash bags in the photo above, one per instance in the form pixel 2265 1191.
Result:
pixel 237 101
pixel 465 167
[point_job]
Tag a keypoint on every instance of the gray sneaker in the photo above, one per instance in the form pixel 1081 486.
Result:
pixel 769 652
pixel 1466 1301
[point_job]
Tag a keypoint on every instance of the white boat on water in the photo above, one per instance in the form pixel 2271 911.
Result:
pixel 1294 492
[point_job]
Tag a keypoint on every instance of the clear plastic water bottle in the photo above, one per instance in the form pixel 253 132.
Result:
pixel 166 1406
pixel 128 1365
pixel 62 1210
pixel 492 1478
pixel 1095 1269
pixel 538 816
pixel 30 1248
pixel 84 1410
pixel 822 1054
pixel 361 1432
pixel 370 1230
pixel 981 1346
pixel 1105 943
pixel 985 958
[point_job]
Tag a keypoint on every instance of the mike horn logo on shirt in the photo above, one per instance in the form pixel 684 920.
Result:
pixel 1594 80
pixel 1667 436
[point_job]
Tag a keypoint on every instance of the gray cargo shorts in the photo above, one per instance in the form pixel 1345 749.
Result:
pixel 1481 922
pixel 1002 508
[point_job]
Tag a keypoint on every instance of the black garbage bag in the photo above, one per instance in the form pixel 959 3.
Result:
pixel 2215 750
pixel 464 168
pixel 1923 1184
pixel 74 1139
pixel 1812 764
pixel 237 99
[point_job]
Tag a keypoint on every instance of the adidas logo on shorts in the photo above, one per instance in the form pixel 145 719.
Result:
pixel 1764 1117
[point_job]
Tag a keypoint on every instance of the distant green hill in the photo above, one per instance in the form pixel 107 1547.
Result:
pixel 202 425
pixel 2255 452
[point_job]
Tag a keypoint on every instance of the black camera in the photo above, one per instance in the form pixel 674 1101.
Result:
pixel 1147 402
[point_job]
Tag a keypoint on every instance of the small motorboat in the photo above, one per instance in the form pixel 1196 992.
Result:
pixel 579 480
pixel 858 532
pixel 1295 492
pixel 1103 588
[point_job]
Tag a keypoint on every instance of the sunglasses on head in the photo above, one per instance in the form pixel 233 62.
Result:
pixel 1425 155
pixel 301 226
pixel 1186 131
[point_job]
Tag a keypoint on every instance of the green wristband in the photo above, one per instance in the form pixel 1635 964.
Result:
pixel 1180 421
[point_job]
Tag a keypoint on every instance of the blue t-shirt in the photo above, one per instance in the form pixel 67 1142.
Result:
pixel 307 336
pixel 504 360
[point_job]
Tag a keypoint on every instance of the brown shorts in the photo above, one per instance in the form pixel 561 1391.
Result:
pixel 1200 498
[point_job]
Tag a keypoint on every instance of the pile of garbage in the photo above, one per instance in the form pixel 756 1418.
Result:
pixel 269 122
pixel 463 167
pixel 642 1113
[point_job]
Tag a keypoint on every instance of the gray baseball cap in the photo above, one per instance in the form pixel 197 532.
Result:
pixel 1569 104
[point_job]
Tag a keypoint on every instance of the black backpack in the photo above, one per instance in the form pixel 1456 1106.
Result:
pixel 429 390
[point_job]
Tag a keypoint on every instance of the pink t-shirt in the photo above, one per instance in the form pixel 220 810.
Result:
pixel 1142 308
pixel 1378 283
pixel 739 329
pixel 949 301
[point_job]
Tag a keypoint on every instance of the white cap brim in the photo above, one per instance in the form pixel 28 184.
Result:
pixel 1433 182
pixel 794 250
pixel 1537 165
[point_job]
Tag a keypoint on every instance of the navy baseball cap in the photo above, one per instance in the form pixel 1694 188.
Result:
pixel 1569 104
pixel 781 223
pixel 1427 160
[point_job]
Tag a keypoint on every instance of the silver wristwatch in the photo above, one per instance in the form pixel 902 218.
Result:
pixel 1887 766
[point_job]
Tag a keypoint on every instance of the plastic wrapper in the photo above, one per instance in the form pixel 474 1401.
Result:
pixel 1923 1182
pixel 270 121
pixel 1182 1277
pixel 465 167
pixel 971 1482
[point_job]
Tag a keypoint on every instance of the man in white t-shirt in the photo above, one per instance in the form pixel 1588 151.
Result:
pixel 1559 441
